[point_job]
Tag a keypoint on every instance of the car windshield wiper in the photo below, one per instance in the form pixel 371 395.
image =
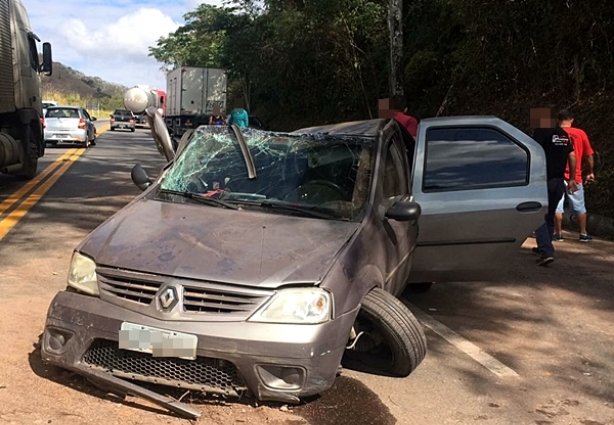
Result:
pixel 202 198
pixel 310 210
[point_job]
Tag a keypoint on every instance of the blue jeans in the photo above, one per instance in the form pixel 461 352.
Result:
pixel 543 234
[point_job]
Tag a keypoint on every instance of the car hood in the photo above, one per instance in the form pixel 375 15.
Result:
pixel 208 243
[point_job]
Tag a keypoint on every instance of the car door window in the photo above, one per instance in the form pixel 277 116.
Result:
pixel 394 173
pixel 473 158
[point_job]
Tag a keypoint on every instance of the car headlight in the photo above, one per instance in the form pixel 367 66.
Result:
pixel 296 305
pixel 82 274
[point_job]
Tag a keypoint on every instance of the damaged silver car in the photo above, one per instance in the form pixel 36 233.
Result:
pixel 259 262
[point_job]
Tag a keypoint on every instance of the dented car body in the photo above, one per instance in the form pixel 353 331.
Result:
pixel 256 261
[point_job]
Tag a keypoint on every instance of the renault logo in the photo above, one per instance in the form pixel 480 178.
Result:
pixel 168 298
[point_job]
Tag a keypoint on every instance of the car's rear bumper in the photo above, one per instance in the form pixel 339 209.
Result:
pixel 274 361
pixel 59 135
pixel 121 124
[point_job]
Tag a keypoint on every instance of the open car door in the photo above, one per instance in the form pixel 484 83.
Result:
pixel 481 184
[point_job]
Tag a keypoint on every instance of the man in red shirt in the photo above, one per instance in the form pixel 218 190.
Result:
pixel 584 154
pixel 407 121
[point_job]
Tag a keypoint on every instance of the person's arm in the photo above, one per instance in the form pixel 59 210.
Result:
pixel 571 184
pixel 590 162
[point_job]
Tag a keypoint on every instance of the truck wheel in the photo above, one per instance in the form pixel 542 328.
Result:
pixel 30 154
pixel 389 339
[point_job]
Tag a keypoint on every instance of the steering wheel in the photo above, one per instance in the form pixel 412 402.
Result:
pixel 320 191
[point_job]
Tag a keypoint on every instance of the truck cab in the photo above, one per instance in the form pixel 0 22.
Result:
pixel 21 135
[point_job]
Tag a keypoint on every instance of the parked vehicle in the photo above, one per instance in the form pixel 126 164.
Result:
pixel 46 104
pixel 193 94
pixel 123 119
pixel 261 261
pixel 69 124
pixel 21 125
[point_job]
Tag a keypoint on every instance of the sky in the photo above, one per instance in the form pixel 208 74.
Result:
pixel 109 38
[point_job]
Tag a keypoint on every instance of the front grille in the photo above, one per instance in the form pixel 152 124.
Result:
pixel 227 300
pixel 205 374
pixel 133 286
pixel 217 300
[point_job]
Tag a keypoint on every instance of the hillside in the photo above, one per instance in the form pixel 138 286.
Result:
pixel 71 86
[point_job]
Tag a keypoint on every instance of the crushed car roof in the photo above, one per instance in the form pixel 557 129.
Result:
pixel 353 128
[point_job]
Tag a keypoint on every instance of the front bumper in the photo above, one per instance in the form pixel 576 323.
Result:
pixel 274 361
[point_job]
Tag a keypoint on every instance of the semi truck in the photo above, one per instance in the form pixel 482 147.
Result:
pixel 140 97
pixel 193 95
pixel 21 127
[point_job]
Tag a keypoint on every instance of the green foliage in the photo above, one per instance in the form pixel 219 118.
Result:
pixel 301 62
pixel 293 63
pixel 70 87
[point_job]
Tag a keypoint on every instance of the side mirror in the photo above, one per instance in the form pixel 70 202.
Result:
pixel 404 210
pixel 47 65
pixel 163 140
pixel 94 118
pixel 139 177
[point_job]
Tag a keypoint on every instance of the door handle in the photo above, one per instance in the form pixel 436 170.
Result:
pixel 528 206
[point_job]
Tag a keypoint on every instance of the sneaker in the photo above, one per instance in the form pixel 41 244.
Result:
pixel 585 238
pixel 544 260
pixel 535 250
pixel 557 237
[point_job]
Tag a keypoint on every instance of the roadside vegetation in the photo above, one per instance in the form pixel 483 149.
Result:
pixel 297 63
pixel 70 87
pixel 74 99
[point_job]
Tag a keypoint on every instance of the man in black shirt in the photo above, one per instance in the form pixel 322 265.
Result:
pixel 559 150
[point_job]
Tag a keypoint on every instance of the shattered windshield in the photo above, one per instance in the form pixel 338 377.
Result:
pixel 312 175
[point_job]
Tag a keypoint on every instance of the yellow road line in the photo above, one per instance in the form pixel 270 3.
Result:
pixel 7 224
pixel 102 129
pixel 15 197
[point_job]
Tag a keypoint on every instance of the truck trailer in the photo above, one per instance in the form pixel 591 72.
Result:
pixel 21 128
pixel 192 95
pixel 139 98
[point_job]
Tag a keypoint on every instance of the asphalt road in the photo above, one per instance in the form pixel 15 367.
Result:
pixel 537 347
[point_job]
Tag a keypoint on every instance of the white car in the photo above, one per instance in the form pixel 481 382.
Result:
pixel 71 124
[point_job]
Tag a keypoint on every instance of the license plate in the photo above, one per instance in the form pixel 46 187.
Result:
pixel 157 342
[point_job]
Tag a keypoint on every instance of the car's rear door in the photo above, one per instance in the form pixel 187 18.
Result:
pixel 481 184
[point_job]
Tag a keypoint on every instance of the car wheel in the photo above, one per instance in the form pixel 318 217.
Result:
pixel 112 129
pixel 132 130
pixel 86 144
pixel 388 339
